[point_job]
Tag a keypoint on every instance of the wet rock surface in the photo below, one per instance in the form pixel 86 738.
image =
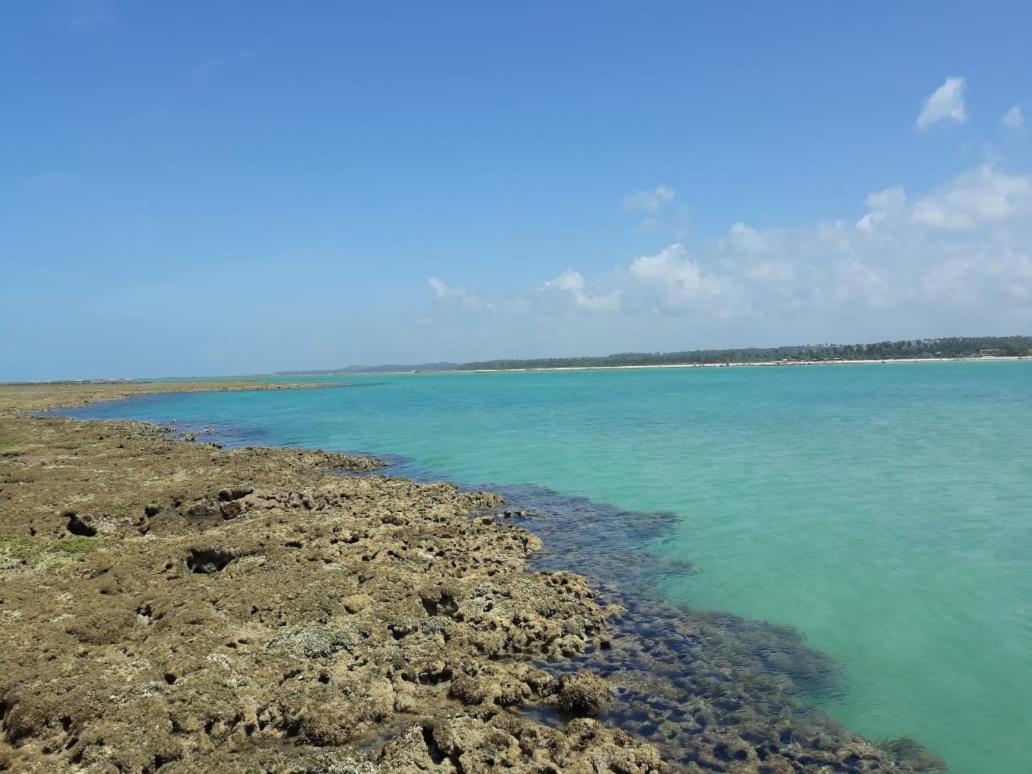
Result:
pixel 711 690
pixel 178 607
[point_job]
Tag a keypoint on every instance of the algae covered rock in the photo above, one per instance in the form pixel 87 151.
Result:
pixel 583 694
pixel 252 610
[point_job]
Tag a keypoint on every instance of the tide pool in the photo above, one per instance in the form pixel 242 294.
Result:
pixel 884 510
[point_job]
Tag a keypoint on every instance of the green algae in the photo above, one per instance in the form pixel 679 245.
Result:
pixel 32 550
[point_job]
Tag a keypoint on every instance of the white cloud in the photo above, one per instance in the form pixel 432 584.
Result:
pixel 982 278
pixel 444 294
pixel 440 290
pixel 648 201
pixel 977 198
pixel 572 282
pixel 672 267
pixel 747 239
pixel 890 200
pixel 1013 119
pixel 882 204
pixel 952 261
pixel 770 272
pixel 946 103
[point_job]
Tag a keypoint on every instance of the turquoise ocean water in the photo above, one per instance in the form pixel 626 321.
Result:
pixel 884 510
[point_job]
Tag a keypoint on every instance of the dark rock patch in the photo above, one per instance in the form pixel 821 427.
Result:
pixel 234 493
pixel 80 526
pixel 208 561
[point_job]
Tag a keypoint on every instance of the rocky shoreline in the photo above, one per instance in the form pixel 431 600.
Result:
pixel 178 607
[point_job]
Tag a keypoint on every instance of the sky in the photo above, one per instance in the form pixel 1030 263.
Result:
pixel 199 188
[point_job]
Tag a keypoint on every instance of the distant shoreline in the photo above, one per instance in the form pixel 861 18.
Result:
pixel 904 351
pixel 758 363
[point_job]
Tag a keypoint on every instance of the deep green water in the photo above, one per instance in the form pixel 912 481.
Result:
pixel 884 510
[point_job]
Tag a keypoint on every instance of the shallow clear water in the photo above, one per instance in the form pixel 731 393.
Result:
pixel 884 510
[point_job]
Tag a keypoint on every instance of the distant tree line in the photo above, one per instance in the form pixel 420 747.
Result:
pixel 970 346
pixel 987 346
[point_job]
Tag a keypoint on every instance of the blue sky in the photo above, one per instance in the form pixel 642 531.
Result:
pixel 206 188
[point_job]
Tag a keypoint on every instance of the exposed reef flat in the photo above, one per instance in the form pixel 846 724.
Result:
pixel 178 607
pixel 18 397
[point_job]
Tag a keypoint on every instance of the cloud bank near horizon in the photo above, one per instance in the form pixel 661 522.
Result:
pixel 953 260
